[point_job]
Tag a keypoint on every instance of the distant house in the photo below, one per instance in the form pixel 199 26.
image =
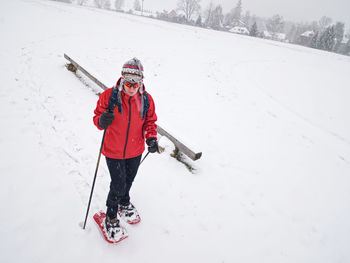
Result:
pixel 238 23
pixel 280 37
pixel 344 46
pixel 274 36
pixel 308 34
pixel 165 15
pixel 266 34
pixel 234 24
pixel 239 30
pixel 172 14
pixel 306 38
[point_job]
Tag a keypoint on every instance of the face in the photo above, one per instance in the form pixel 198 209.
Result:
pixel 131 88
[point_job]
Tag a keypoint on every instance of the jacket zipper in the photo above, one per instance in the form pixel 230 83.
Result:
pixel 127 132
pixel 143 126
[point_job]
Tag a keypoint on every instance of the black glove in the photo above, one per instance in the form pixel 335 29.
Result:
pixel 152 145
pixel 106 119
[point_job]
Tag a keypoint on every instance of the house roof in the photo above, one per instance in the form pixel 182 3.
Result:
pixel 308 33
pixel 345 40
pixel 280 36
pixel 267 33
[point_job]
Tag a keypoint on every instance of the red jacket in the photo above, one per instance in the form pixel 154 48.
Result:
pixel 120 141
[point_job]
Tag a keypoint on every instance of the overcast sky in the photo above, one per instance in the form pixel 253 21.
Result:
pixel 294 10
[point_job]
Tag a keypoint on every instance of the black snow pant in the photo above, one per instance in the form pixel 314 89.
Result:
pixel 122 172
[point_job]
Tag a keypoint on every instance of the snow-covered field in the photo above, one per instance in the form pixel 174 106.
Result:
pixel 271 119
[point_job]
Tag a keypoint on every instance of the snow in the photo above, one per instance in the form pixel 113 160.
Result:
pixel 272 121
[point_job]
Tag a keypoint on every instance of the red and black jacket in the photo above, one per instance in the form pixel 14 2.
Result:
pixel 125 137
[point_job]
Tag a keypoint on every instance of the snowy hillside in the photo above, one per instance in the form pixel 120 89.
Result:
pixel 272 121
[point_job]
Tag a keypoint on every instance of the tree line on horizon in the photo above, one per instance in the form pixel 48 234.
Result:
pixel 322 34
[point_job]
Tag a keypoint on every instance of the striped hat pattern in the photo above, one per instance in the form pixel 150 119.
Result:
pixel 133 70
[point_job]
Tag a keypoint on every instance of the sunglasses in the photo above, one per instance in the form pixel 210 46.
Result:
pixel 131 85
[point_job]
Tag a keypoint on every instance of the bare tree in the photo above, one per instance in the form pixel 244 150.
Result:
pixel 339 34
pixel 217 18
pixel 237 11
pixel 107 4
pixel 339 31
pixel 199 21
pixel 64 1
pixel 81 2
pixel 347 48
pixel 214 17
pixel 234 15
pixel 314 26
pixel 118 4
pixel 327 39
pixel 254 30
pixel 137 5
pixel 189 7
pixel 209 14
pixel 275 24
pixel 102 3
pixel 228 19
pixel 98 3
pixel 246 19
pixel 324 22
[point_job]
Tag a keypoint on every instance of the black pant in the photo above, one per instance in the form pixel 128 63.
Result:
pixel 122 172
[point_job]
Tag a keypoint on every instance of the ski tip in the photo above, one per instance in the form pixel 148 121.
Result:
pixel 99 219
pixel 135 221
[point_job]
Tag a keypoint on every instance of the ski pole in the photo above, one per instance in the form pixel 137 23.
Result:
pixel 149 152
pixel 93 183
pixel 144 157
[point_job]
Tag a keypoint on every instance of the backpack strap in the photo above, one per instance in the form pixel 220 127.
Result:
pixel 113 100
pixel 145 101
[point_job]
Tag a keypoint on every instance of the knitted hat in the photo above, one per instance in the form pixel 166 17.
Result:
pixel 132 70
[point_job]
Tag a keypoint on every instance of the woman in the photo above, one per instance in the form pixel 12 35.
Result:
pixel 128 112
